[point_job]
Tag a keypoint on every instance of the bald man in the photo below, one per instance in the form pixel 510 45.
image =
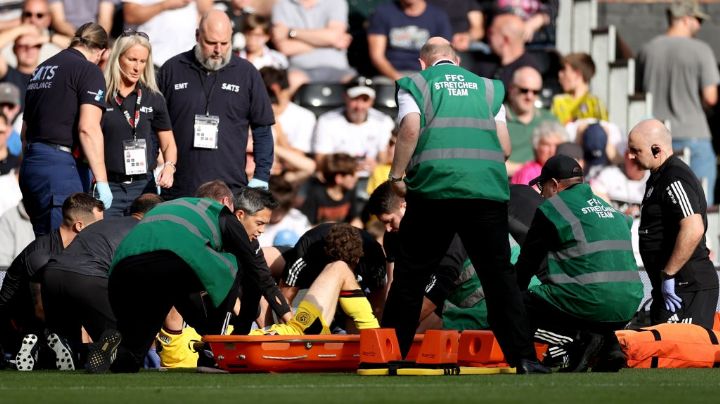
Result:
pixel 506 39
pixel 523 116
pixel 672 231
pixel 452 146
pixel 213 97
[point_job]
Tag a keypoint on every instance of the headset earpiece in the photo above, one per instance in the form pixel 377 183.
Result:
pixel 655 150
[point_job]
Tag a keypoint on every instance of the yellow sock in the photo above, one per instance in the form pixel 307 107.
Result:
pixel 176 349
pixel 307 320
pixel 356 305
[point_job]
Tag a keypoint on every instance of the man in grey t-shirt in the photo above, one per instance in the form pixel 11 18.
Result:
pixel 313 35
pixel 682 75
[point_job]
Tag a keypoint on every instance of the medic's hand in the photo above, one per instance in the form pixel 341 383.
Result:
pixel 104 194
pixel 672 301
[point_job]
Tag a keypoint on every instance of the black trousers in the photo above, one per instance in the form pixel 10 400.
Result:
pixel 72 300
pixel 143 288
pixel 698 307
pixel 425 234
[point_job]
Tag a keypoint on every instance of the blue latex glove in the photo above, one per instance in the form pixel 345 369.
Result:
pixel 672 301
pixel 104 194
pixel 256 183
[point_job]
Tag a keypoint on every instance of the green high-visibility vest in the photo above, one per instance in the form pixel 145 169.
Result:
pixel 458 154
pixel 189 228
pixel 593 275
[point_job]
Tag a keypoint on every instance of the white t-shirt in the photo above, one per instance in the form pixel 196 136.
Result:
pixel 269 58
pixel 298 124
pixel 618 187
pixel 171 32
pixel 295 221
pixel 334 134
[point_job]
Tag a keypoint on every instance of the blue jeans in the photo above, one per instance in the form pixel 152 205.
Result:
pixel 124 195
pixel 47 177
pixel 702 162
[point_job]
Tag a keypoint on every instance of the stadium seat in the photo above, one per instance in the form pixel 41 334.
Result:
pixel 385 99
pixel 320 97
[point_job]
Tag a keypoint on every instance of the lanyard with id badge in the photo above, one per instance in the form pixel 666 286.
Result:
pixel 134 150
pixel 206 126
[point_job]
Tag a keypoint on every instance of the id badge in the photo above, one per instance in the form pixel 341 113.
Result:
pixel 206 131
pixel 135 152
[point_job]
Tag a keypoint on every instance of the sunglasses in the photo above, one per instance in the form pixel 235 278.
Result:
pixel 132 32
pixel 528 90
pixel 30 14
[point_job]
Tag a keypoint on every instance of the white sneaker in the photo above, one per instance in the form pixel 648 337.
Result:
pixel 27 355
pixel 63 353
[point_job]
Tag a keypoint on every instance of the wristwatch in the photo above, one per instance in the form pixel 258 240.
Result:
pixel 393 179
pixel 292 33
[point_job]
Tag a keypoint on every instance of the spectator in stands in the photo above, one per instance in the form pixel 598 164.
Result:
pixel 10 107
pixel 622 186
pixel 15 234
pixel 577 102
pixel 26 40
pixel 292 164
pixel 382 170
pixel 538 15
pixel 545 139
pixel 297 122
pixel 313 35
pixel 68 15
pixel 285 221
pixel 9 168
pixel 397 31
pixel 681 73
pixel 134 146
pixel 506 39
pixel 523 116
pixel 10 14
pixel 333 199
pixel 37 13
pixel 211 132
pixel 257 34
pixel 594 142
pixel 466 20
pixel 75 283
pixel 170 24
pixel 21 309
pixel 357 129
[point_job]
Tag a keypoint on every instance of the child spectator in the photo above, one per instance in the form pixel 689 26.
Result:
pixel 286 222
pixel 577 102
pixel 256 51
pixel 334 198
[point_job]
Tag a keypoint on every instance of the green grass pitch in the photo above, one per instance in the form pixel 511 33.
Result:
pixel 635 386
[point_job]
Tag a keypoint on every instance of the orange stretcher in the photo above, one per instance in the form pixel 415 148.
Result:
pixel 296 353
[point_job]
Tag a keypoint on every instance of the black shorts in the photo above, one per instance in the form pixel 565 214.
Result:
pixel 297 272
pixel 698 307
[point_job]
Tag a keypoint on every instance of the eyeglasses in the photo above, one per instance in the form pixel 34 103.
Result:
pixel 132 32
pixel 528 90
pixel 26 47
pixel 30 14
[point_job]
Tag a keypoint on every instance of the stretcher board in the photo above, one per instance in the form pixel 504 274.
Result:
pixel 462 370
pixel 282 353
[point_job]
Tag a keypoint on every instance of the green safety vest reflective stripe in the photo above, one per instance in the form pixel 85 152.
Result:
pixel 594 275
pixel 458 154
pixel 189 228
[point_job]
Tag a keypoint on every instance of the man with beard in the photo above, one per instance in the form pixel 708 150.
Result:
pixel 213 97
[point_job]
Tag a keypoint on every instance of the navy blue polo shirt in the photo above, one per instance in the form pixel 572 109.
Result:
pixel 116 128
pixel 235 93
pixel 54 94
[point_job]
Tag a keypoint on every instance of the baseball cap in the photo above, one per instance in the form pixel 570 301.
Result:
pixel 682 8
pixel 559 167
pixel 594 142
pixel 9 94
pixel 360 86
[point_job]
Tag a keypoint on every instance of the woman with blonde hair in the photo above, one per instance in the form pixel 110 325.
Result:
pixel 135 124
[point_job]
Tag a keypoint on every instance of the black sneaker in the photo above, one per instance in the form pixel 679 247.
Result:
pixel 27 356
pixel 102 353
pixel 63 353
pixel 583 353
pixel 529 366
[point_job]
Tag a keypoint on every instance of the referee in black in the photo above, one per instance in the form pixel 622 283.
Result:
pixel 673 222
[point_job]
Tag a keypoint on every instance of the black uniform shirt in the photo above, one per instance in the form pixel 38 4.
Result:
pixel 305 261
pixel 26 268
pixel 92 250
pixel 235 93
pixel 116 128
pixel 54 94
pixel 671 194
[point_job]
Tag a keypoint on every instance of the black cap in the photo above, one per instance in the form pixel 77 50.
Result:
pixel 559 167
